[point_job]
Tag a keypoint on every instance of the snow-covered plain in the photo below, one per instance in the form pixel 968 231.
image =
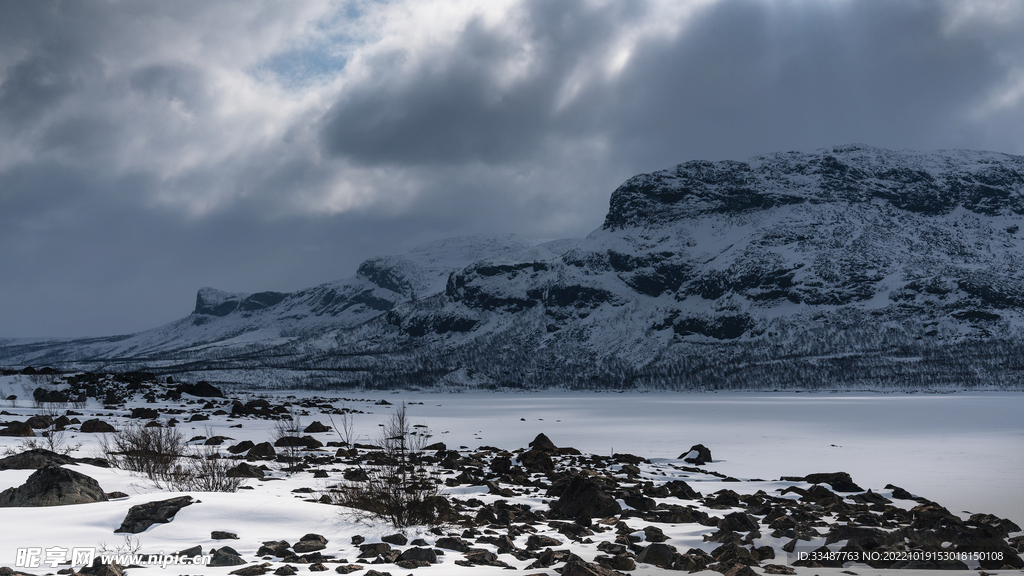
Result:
pixel 961 450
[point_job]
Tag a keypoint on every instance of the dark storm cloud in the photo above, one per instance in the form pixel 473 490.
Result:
pixel 741 77
pixel 149 149
pixel 453 109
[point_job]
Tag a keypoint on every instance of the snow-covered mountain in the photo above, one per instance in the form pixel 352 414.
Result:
pixel 851 265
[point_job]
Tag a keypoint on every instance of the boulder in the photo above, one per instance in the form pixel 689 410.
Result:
pixel 698 454
pixel 310 543
pixel 304 442
pixel 53 486
pixel 222 535
pixel 245 470
pixel 452 543
pixel 243 446
pixel 262 451
pixel 225 556
pixel 315 427
pixel 17 429
pixel 543 444
pixel 39 422
pixel 202 389
pixel 839 481
pixel 419 555
pixel 581 568
pixel 34 459
pixel 658 554
pixel 141 516
pixel 584 498
pixel 96 426
pixel 98 568
pixel 145 413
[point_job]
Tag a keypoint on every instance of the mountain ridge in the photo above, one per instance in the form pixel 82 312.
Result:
pixel 705 274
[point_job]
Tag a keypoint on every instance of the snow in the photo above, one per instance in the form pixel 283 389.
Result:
pixel 961 450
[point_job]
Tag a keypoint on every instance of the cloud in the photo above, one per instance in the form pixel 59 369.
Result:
pixel 149 149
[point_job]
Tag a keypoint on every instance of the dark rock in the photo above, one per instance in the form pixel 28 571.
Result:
pixel 225 556
pixel 583 497
pixel 538 541
pixel 310 543
pixel 654 534
pixel 144 413
pixel 316 427
pixel 536 461
pixel 356 475
pixel 142 516
pixel 543 444
pixel 582 568
pixel 254 570
pixel 731 553
pixel 262 451
pixel 202 389
pixel 620 562
pixel 34 459
pixel 419 555
pixel 221 535
pixel 452 543
pixel 243 446
pixel 286 571
pixel 738 522
pixel 373 550
pixel 98 568
pixel 681 490
pixel 658 554
pixel 17 429
pixel 39 422
pixel 348 568
pixel 304 442
pixel 53 486
pixel 245 470
pixel 698 454
pixel 777 569
pixel 96 426
pixel 396 539
pixel 839 481
pixel 191 552
pixel 735 570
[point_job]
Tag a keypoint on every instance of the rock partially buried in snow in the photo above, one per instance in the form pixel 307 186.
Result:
pixel 34 460
pixel 53 486
pixel 141 516
pixel 839 481
pixel 698 454
pixel 96 426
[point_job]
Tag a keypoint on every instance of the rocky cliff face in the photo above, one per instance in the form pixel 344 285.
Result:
pixel 709 273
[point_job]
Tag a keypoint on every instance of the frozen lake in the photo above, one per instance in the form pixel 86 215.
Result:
pixel 964 450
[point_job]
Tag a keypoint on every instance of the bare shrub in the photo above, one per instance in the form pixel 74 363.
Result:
pixel 153 451
pixel 288 426
pixel 400 487
pixel 203 470
pixel 345 431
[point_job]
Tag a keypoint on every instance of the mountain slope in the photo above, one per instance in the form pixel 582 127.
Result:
pixel 850 265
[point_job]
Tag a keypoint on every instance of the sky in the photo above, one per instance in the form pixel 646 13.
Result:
pixel 148 149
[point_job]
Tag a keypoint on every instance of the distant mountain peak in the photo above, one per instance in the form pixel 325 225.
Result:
pixel 929 183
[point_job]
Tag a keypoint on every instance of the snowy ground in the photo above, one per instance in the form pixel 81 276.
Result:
pixel 960 450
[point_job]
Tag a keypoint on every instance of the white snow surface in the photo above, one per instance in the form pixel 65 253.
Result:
pixel 960 450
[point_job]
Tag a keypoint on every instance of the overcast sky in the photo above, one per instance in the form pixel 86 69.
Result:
pixel 148 149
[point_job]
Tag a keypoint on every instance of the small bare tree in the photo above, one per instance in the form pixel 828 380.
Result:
pixel 399 486
pixel 289 428
pixel 203 470
pixel 153 451
pixel 346 431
